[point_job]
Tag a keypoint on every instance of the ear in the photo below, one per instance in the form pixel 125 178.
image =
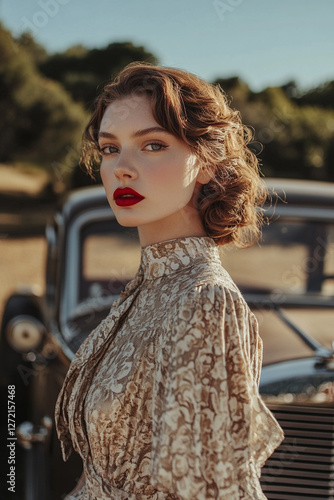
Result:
pixel 205 174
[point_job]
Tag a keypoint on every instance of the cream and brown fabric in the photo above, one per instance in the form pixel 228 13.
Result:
pixel 161 401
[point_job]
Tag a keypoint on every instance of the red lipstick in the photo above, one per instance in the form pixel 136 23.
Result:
pixel 125 197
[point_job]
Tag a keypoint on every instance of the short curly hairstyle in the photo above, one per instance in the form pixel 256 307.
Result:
pixel 199 114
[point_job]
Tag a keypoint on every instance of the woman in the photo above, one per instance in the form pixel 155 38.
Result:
pixel 161 401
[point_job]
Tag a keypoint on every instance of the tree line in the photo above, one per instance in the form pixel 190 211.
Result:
pixel 46 99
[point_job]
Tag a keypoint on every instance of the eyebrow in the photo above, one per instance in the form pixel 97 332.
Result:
pixel 139 133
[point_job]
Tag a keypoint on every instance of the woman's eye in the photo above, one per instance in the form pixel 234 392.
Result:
pixel 155 146
pixel 108 150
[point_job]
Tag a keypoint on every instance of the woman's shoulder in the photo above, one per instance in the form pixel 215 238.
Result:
pixel 210 312
pixel 210 292
pixel 210 281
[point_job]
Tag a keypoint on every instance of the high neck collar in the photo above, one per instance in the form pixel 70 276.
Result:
pixel 168 257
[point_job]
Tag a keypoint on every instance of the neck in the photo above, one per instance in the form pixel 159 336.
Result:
pixel 158 232
pixel 171 256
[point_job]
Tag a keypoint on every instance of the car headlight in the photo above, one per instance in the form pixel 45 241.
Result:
pixel 25 333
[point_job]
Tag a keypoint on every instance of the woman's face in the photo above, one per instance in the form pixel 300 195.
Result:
pixel 150 176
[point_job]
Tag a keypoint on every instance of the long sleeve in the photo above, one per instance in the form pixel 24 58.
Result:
pixel 78 495
pixel 211 430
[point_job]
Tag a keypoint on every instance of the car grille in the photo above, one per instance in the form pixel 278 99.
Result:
pixel 302 467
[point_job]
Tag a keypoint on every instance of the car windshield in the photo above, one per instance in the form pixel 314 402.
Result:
pixel 110 258
pixel 295 257
pixel 293 265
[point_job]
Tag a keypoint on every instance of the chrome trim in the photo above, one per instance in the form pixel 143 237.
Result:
pixel 28 434
pixel 297 368
pixel 307 214
pixel 69 294
pixel 25 333
pixel 302 466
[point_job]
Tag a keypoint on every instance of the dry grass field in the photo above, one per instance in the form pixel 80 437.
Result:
pixel 21 259
pixel 18 179
pixel 21 265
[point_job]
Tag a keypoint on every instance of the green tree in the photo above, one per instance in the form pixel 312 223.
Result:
pixel 322 96
pixel 84 72
pixel 296 138
pixel 37 53
pixel 40 122
pixel 236 89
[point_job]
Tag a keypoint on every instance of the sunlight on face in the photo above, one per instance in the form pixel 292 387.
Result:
pixel 156 175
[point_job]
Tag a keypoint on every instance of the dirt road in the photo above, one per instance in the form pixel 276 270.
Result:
pixel 22 259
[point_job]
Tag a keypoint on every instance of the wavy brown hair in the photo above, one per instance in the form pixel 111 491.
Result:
pixel 199 114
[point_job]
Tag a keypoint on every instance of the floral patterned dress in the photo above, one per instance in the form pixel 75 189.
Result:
pixel 161 401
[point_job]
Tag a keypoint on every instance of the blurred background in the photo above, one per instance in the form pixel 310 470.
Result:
pixel 273 58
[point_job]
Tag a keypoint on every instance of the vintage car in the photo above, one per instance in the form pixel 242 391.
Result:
pixel 288 281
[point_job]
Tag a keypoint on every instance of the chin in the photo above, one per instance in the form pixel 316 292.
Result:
pixel 126 221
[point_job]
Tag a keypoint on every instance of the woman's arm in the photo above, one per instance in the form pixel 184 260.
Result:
pixel 211 430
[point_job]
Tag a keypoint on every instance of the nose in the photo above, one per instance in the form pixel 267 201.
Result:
pixel 125 168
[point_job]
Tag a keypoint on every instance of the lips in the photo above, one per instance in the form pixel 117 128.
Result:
pixel 125 197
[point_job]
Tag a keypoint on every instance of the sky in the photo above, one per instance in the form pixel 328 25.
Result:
pixel 265 42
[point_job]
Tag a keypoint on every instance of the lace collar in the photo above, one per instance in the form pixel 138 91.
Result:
pixel 167 257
